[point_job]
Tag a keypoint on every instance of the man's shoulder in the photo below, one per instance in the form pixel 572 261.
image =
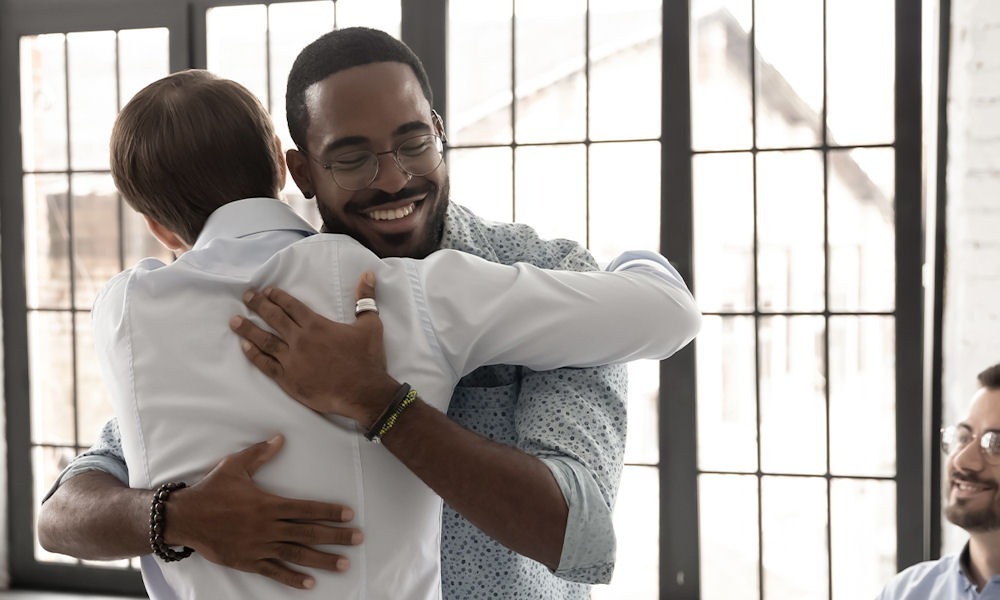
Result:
pixel 922 580
pixel 116 287
pixel 509 243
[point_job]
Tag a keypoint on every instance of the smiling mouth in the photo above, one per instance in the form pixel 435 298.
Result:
pixel 392 214
pixel 968 487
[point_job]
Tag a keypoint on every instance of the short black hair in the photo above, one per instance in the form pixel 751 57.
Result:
pixel 990 377
pixel 338 50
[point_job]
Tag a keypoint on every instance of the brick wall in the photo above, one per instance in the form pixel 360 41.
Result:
pixel 972 287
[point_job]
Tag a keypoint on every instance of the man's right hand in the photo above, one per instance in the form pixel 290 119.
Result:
pixel 225 517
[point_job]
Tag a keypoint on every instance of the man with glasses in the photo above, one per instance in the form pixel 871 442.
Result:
pixel 528 463
pixel 972 502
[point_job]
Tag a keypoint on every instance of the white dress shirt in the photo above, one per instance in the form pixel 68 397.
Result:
pixel 185 395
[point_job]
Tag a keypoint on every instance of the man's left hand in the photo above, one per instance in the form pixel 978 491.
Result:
pixel 336 368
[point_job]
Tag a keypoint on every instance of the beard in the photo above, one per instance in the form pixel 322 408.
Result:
pixel 979 519
pixel 411 245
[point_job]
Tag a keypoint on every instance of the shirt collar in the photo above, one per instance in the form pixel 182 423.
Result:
pixel 961 565
pixel 249 216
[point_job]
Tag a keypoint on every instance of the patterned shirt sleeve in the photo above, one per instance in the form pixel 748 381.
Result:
pixel 105 455
pixel 574 420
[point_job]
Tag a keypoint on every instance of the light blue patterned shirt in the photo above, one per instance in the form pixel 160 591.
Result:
pixel 942 579
pixel 572 419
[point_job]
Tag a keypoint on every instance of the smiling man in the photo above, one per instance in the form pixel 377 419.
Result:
pixel 528 462
pixel 972 502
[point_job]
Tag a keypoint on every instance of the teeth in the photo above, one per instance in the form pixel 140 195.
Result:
pixel 968 487
pixel 391 214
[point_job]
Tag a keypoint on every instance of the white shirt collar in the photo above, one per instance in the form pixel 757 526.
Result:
pixel 249 216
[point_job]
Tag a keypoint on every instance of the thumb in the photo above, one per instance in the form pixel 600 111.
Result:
pixel 258 455
pixel 366 286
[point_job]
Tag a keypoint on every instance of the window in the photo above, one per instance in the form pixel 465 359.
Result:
pixel 778 166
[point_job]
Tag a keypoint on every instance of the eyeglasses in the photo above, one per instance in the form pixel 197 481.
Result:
pixel 955 438
pixel 416 156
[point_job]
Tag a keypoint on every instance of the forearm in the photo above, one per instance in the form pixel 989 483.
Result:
pixel 508 494
pixel 93 516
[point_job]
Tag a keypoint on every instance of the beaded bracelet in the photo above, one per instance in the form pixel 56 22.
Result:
pixel 158 522
pixel 404 397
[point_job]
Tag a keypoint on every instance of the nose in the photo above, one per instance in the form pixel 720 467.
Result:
pixel 390 177
pixel 968 458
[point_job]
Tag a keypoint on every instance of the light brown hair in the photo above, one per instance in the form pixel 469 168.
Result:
pixel 189 143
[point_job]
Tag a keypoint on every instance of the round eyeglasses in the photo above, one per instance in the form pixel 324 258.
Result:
pixel 356 170
pixel 957 437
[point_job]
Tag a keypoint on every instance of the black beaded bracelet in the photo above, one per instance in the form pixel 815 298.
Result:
pixel 158 522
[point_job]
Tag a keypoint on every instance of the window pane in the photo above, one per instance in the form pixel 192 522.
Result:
pixel 96 235
pixel 790 231
pixel 550 190
pixel 862 230
pixel 479 72
pixel 863 530
pixel 551 58
pixel 624 198
pixel 93 97
pixel 481 180
pixel 641 443
pixel 793 517
pixel 789 64
pixel 720 74
pixel 729 537
pixel 47 463
pixel 860 71
pixel 50 356
pixel 237 46
pixel 94 405
pixel 43 102
pixel 636 520
pixel 380 14
pixel 625 54
pixel 46 241
pixel 862 396
pixel 143 57
pixel 792 395
pixel 723 247
pixel 727 408
pixel 291 26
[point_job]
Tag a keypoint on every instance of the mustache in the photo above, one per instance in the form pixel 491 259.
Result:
pixel 379 197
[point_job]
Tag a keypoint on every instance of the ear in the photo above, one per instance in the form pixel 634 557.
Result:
pixel 282 167
pixel 298 166
pixel 168 238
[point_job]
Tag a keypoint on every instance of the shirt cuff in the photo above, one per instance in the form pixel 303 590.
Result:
pixel 588 552
pixel 89 462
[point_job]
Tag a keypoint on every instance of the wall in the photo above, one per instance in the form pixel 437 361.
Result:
pixel 972 293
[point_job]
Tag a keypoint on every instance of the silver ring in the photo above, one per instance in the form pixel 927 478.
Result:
pixel 365 305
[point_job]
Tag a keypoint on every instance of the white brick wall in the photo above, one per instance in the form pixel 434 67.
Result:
pixel 972 289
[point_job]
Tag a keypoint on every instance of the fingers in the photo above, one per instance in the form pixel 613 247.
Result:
pixel 312 533
pixel 266 342
pixel 283 575
pixel 311 510
pixel 272 313
pixel 292 306
pixel 309 557
pixel 259 346
pixel 366 286
pixel 256 456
